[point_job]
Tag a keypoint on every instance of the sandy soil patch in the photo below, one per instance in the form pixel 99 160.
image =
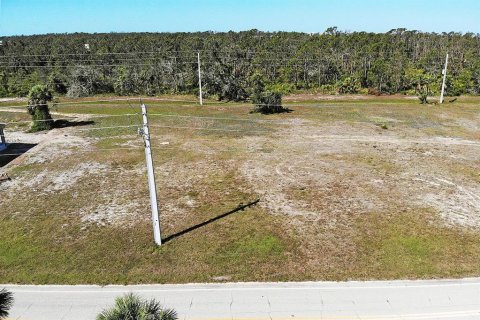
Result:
pixel 332 171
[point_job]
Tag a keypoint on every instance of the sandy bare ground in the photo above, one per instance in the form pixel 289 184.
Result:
pixel 330 172
pixel 313 172
pixel 66 171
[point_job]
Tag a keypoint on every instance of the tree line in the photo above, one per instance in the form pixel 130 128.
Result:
pixel 399 61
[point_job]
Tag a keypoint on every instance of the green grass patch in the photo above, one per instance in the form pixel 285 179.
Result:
pixel 416 245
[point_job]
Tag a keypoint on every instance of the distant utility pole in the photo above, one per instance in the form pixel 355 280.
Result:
pixel 444 80
pixel 151 178
pixel 200 79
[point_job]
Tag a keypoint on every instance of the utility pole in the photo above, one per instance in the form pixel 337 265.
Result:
pixel 151 178
pixel 200 79
pixel 444 80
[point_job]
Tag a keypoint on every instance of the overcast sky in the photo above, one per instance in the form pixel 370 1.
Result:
pixel 60 16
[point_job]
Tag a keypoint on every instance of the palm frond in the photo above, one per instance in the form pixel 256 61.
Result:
pixel 131 307
pixel 6 302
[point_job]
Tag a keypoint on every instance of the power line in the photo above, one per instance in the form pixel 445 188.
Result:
pixel 155 115
pixel 260 50
pixel 142 65
pixel 81 63
pixel 151 53
pixel 79 151
pixel 211 118
pixel 30 121
pixel 55 104
pixel 207 59
pixel 174 127
pixel 107 128
pixel 208 129
pixel 193 104
pixel 137 149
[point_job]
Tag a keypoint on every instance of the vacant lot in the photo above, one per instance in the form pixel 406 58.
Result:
pixel 350 188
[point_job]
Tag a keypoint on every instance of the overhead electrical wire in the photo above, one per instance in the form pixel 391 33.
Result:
pixel 207 129
pixel 65 103
pixel 133 149
pixel 208 59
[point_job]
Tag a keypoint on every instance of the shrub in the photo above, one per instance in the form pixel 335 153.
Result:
pixel 269 102
pixel 349 85
pixel 283 88
pixel 266 101
pixel 327 89
pixel 131 307
pixel 6 302
pixel 363 91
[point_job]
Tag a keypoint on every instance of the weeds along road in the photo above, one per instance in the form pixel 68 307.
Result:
pixel 456 299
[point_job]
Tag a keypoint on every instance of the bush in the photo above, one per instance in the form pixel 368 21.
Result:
pixel 283 88
pixel 131 307
pixel 6 302
pixel 364 91
pixel 374 92
pixel 327 89
pixel 269 102
pixel 349 85
pixel 266 101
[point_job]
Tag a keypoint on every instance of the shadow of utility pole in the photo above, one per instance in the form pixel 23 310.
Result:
pixel 195 227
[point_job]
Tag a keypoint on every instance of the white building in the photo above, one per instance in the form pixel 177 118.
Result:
pixel 3 142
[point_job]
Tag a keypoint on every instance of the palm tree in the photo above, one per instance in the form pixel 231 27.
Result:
pixel 131 307
pixel 6 302
pixel 38 99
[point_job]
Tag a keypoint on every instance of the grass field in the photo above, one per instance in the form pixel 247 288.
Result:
pixel 349 188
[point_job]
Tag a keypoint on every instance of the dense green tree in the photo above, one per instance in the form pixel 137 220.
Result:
pixel 84 81
pixel 156 63
pixel 476 80
pixel 57 82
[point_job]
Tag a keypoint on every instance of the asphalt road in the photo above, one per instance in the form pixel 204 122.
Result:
pixel 406 300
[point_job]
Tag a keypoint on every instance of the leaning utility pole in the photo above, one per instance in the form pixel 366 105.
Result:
pixel 444 80
pixel 200 79
pixel 151 177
